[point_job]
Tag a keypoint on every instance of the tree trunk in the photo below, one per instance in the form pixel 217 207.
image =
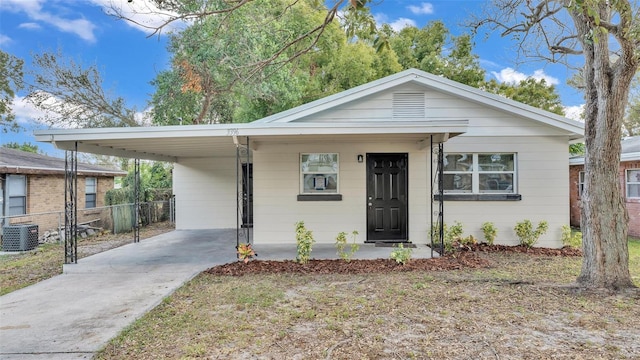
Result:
pixel 604 218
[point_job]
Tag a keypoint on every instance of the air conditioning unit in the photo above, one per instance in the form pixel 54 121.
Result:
pixel 19 237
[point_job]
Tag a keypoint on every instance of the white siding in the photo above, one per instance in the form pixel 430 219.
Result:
pixel 543 182
pixel 205 190
pixel 277 184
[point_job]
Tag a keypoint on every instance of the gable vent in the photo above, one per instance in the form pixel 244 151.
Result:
pixel 408 105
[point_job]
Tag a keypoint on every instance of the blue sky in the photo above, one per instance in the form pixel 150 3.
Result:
pixel 129 59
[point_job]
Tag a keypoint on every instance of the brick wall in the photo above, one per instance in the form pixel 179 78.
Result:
pixel 574 196
pixel 45 194
pixel 633 205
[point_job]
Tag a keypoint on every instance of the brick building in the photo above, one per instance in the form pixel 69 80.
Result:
pixel 34 184
pixel 629 176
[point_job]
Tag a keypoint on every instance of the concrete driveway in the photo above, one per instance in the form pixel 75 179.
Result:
pixel 73 315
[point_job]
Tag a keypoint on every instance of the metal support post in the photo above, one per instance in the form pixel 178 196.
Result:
pixel 71 206
pixel 441 196
pixel 136 201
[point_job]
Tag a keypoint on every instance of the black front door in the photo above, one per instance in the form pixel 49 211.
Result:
pixel 387 197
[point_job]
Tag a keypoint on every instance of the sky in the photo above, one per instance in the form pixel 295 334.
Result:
pixel 129 57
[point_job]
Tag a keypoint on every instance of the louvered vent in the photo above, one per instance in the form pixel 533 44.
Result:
pixel 408 105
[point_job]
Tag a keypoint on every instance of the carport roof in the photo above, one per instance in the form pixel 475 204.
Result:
pixel 170 143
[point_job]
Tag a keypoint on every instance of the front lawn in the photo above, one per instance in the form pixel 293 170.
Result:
pixel 519 308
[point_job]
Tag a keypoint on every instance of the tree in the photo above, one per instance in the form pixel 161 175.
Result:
pixel 606 35
pixel 28 147
pixel 434 50
pixel 72 95
pixel 529 91
pixel 11 81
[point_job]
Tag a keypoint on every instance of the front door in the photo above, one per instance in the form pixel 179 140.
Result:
pixel 387 197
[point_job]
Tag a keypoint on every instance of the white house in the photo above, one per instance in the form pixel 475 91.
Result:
pixel 366 160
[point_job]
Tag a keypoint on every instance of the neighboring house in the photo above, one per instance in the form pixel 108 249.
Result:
pixel 34 183
pixel 364 159
pixel 629 175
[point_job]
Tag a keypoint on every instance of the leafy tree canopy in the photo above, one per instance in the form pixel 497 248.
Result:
pixel 11 81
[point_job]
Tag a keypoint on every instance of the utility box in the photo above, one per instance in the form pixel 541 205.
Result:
pixel 19 237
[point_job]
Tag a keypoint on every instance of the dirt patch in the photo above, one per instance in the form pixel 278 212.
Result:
pixel 565 251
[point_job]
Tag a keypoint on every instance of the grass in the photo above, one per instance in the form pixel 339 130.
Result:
pixel 518 308
pixel 20 270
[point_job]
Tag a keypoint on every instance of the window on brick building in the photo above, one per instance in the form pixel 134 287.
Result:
pixel 90 192
pixel 633 183
pixel 580 183
pixel 17 194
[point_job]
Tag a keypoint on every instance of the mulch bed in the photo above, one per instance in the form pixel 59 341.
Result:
pixel 468 257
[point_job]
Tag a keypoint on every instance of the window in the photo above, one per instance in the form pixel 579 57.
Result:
pixel 581 183
pixel 468 173
pixel 17 193
pixel 633 183
pixel 90 192
pixel 319 173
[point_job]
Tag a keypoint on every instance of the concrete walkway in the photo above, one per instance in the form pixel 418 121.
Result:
pixel 73 315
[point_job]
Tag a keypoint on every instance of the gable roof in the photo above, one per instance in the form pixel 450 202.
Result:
pixel 430 81
pixel 14 161
pixel 169 143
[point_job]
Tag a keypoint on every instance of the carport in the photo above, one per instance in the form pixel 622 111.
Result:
pixel 173 143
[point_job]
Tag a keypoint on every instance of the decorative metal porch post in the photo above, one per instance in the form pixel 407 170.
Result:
pixel 136 201
pixel 71 206
pixel 439 180
pixel 243 192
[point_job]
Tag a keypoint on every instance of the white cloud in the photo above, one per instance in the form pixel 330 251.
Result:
pixel 30 26
pixel 509 75
pixel 402 23
pixel 423 9
pixel 34 10
pixel 25 112
pixel 574 112
pixel 4 39
pixel 142 15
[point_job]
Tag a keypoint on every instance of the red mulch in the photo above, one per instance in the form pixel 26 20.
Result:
pixel 468 257
pixel 565 251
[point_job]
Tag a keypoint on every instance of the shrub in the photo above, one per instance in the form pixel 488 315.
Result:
pixel 571 238
pixel 451 234
pixel 341 244
pixel 401 254
pixel 490 232
pixel 245 252
pixel 304 242
pixel 528 237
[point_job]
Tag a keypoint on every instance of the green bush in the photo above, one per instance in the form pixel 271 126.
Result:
pixel 571 238
pixel 490 232
pixel 304 242
pixel 341 244
pixel 401 254
pixel 528 236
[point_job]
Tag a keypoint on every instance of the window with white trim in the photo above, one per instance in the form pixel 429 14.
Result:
pixel 91 185
pixel 319 173
pixel 480 173
pixel 17 194
pixel 633 183
pixel 581 175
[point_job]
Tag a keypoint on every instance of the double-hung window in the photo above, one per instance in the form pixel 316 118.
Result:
pixel 17 194
pixel 91 184
pixel 581 183
pixel 479 173
pixel 633 183
pixel 319 173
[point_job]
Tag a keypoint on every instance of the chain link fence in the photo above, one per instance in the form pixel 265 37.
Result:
pixel 115 219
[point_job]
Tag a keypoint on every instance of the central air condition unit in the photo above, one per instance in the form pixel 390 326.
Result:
pixel 19 237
